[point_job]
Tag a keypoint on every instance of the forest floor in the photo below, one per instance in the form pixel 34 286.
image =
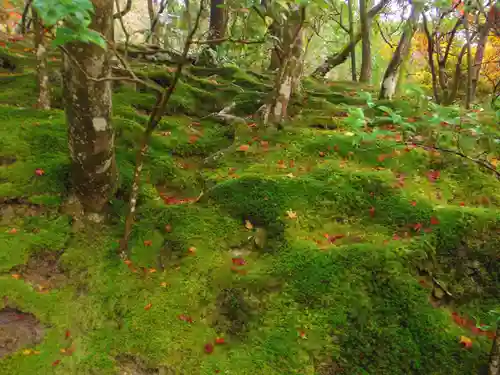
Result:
pixel 306 254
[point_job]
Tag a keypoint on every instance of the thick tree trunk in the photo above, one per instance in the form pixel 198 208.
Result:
pixel 217 21
pixel 388 87
pixel 352 43
pixel 366 53
pixel 42 70
pixel 88 113
pixel 478 58
pixel 494 364
pixel 289 72
pixel 339 58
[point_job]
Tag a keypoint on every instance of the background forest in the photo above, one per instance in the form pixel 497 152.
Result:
pixel 249 187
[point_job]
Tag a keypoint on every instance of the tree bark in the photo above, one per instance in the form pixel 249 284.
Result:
pixel 366 53
pixel 217 21
pixel 478 58
pixel 352 44
pixel 468 94
pixel 430 58
pixel 42 71
pixel 335 60
pixel 388 87
pixel 289 72
pixel 494 363
pixel 455 84
pixel 88 114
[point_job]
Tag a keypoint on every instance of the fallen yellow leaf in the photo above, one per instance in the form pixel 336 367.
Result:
pixel 291 214
pixel 16 276
pixel 248 224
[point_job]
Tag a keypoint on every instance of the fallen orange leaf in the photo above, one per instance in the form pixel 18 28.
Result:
pixel 13 231
pixel 291 214
pixel 148 243
pixel 243 148
pixel 148 306
pixel 16 276
pixel 192 250
pixel 466 342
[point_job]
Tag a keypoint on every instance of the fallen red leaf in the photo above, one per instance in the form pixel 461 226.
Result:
pixel 56 362
pixel 372 211
pixel 413 203
pixel 239 261
pixel 433 175
pixel 220 340
pixel 395 237
pixel 243 148
pixel 185 318
pixel 13 231
pixel 417 226
pixel 434 220
pixel 148 242
pixel 67 334
pixel 462 204
pixel 209 348
pixel 39 172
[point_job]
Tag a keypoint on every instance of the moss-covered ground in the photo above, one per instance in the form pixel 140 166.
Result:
pixel 306 255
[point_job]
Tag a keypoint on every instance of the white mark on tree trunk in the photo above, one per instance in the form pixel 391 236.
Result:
pixel 100 124
pixel 103 168
pixel 40 51
pixel 390 85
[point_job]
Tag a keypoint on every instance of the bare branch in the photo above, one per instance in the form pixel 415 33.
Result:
pixel 127 9
pixel 382 34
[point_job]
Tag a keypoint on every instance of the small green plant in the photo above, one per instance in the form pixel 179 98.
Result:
pixel 72 19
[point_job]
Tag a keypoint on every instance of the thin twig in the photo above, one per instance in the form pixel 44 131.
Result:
pixel 154 119
pixel 120 18
pixel 152 85
pixel 127 9
pixel 483 163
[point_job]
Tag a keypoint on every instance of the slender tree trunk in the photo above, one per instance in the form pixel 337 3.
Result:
pixel 336 59
pixel 366 52
pixel 452 92
pixel 403 71
pixel 494 364
pixel 88 113
pixel 388 87
pixel 478 58
pixel 352 44
pixel 430 60
pixel 468 94
pixel 42 70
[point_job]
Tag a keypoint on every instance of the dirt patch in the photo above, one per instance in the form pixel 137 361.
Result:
pixel 43 270
pixel 18 330
pixel 15 208
pixel 234 311
pixel 7 160
pixel 129 365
